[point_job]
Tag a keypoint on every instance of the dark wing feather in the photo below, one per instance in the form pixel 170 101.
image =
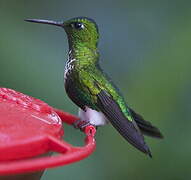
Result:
pixel 146 127
pixel 125 127
pixel 74 92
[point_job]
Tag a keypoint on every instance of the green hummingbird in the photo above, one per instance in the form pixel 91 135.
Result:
pixel 92 90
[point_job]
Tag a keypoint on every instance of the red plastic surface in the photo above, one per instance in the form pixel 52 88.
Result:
pixel 29 128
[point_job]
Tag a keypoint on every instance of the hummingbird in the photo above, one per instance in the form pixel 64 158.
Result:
pixel 97 97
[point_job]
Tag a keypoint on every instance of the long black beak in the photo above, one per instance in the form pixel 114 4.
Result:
pixel 61 24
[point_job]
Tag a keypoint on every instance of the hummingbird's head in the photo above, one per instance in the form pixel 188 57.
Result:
pixel 82 29
pixel 79 30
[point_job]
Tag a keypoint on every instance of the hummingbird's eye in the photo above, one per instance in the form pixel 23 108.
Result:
pixel 78 25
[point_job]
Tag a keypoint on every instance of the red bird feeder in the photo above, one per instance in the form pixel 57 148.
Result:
pixel 29 129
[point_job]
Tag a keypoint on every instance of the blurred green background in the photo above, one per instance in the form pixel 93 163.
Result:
pixel 144 45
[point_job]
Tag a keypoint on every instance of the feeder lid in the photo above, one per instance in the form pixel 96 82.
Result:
pixel 25 125
pixel 29 128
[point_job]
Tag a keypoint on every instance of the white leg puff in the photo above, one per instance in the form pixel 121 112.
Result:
pixel 93 117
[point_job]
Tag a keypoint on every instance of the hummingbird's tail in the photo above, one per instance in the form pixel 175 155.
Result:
pixel 145 126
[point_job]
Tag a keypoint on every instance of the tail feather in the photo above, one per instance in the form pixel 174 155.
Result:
pixel 145 126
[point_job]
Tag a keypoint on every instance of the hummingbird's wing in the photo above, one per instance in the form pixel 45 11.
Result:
pixel 74 92
pixel 128 129
pixel 91 92
pixel 78 93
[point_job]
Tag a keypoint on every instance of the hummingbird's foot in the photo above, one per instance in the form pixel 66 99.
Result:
pixel 81 124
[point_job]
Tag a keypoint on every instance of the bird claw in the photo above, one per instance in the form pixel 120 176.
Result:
pixel 79 124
